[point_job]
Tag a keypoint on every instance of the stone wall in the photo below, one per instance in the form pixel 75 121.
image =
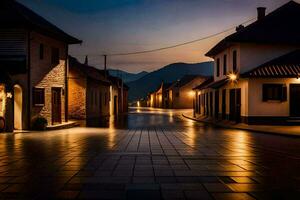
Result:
pixel 46 75
pixel 77 94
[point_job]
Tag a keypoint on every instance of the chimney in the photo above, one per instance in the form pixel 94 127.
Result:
pixel 239 28
pixel 261 13
pixel 86 61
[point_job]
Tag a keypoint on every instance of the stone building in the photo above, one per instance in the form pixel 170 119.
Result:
pixel 89 92
pixel 33 66
pixel 180 94
pixel 118 96
pixel 159 98
pixel 256 72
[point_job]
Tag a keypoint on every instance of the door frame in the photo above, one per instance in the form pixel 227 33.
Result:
pixel 217 104
pixel 235 105
pixel 290 100
pixel 52 107
pixel 224 92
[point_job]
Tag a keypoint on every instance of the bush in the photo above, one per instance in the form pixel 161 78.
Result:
pixel 39 123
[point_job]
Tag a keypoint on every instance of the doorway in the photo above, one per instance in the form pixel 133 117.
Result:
pixel 235 105
pixel 294 100
pixel 217 104
pixel 115 105
pixel 56 105
pixel 18 103
pixel 224 104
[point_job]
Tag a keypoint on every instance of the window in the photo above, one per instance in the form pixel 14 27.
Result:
pixel 218 67
pixel 41 51
pixel 274 92
pixel 38 96
pixel 177 94
pixel 105 98
pixel 234 61
pixel 225 64
pixel 55 56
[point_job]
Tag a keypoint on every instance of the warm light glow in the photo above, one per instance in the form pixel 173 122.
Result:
pixel 138 104
pixel 232 76
pixel 2 100
pixel 191 93
pixel 9 95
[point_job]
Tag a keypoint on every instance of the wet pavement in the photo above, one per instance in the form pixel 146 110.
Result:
pixel 149 154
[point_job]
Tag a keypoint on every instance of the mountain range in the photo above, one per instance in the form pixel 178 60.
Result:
pixel 149 82
pixel 126 76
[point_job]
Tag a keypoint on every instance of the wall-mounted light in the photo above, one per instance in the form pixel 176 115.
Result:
pixel 232 76
pixel 9 95
pixel 138 104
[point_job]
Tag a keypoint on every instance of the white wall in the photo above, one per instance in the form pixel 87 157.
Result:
pixel 254 55
pixel 271 108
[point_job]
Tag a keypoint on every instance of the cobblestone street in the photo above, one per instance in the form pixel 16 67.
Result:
pixel 152 154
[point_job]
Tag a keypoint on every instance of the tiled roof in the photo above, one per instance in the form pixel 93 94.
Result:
pixel 285 66
pixel 89 71
pixel 16 15
pixel 204 84
pixel 278 27
pixel 186 79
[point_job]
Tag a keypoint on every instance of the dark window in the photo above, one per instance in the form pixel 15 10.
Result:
pixel 55 56
pixel 234 61
pixel 225 64
pixel 38 96
pixel 177 94
pixel 41 51
pixel 277 92
pixel 218 67
pixel 105 98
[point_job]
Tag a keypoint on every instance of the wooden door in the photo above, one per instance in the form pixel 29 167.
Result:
pixel 238 105
pixel 224 104
pixel 232 104
pixel 235 105
pixel 56 105
pixel 295 100
pixel 115 105
pixel 217 104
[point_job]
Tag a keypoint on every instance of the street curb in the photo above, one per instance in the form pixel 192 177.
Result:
pixel 245 129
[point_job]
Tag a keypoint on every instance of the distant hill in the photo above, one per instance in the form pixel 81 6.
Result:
pixel 126 76
pixel 148 83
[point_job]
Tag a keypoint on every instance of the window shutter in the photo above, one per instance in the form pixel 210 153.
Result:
pixel 284 93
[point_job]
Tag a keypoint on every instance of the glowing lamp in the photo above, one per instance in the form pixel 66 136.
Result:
pixel 9 95
pixel 138 104
pixel 232 76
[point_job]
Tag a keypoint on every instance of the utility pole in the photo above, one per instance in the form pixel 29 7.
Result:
pixel 105 67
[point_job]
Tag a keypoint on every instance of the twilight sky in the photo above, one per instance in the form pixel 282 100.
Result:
pixel 118 26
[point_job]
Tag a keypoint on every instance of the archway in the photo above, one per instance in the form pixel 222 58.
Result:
pixel 18 101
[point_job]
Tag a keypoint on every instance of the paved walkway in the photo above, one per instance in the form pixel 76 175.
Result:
pixel 156 155
pixel 279 130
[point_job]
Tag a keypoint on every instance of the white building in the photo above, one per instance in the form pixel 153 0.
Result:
pixel 256 72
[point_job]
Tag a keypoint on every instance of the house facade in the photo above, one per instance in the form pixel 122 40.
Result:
pixel 159 98
pixel 88 91
pixel 256 72
pixel 180 94
pixel 33 65
pixel 118 96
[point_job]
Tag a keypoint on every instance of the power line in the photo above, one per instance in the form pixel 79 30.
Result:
pixel 177 45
